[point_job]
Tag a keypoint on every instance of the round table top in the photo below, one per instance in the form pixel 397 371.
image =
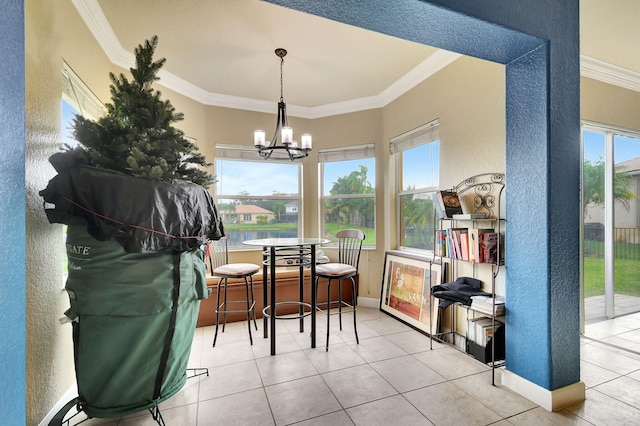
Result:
pixel 286 242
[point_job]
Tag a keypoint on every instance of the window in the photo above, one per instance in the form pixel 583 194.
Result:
pixel 417 155
pixel 76 99
pixel 256 198
pixel 611 220
pixel 348 191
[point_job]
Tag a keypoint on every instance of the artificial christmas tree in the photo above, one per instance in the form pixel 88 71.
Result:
pixel 138 214
pixel 136 137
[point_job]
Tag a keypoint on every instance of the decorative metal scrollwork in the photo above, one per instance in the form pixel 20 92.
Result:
pixel 485 190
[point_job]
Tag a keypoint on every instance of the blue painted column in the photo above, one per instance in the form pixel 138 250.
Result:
pixel 12 213
pixel 538 42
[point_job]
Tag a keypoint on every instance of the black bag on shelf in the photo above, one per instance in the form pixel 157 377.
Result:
pixel 458 291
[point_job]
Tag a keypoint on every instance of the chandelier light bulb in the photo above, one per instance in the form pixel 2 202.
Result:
pixel 258 138
pixel 305 141
pixel 287 135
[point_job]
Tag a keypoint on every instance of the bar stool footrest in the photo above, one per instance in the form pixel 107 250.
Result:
pixel 266 312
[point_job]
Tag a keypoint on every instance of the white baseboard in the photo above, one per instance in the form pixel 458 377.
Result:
pixel 368 302
pixel 71 393
pixel 552 400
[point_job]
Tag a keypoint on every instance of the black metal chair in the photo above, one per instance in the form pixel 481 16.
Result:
pixel 221 268
pixel 349 247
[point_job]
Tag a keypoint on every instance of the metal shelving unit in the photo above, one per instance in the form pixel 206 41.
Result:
pixel 482 194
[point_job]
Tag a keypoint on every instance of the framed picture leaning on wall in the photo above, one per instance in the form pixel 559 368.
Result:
pixel 406 290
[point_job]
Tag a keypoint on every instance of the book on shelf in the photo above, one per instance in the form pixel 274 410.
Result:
pixel 480 330
pixel 441 243
pixel 485 304
pixel 455 242
pixel 489 247
pixel 464 243
pixel 447 203
pixel 474 242
pixel 469 216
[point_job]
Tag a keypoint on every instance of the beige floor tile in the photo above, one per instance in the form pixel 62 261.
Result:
pixel 226 353
pixel 339 356
pixel 635 375
pixel 285 367
pixel 604 329
pixel 609 359
pixel 358 385
pixel 601 409
pixel 499 399
pixel 407 373
pixel 592 375
pixel 285 343
pixel 413 342
pixel 301 399
pixel 230 379
pixel 339 418
pixel 450 363
pixel 348 335
pixel 540 417
pixel 185 415
pixel 246 408
pixel 376 349
pixel 623 389
pixel 387 325
pixel 446 404
pixel 395 410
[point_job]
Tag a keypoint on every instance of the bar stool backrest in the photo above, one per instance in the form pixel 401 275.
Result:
pixel 349 246
pixel 219 252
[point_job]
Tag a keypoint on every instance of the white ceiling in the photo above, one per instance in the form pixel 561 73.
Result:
pixel 221 52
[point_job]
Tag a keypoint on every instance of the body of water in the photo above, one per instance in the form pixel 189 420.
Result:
pixel 237 237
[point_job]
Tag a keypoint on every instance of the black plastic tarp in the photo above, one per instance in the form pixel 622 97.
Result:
pixel 142 215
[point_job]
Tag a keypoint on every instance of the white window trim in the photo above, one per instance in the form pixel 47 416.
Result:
pixel 231 152
pixel 421 135
pixel 345 153
pixel 78 94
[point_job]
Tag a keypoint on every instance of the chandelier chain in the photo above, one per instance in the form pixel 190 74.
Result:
pixel 281 80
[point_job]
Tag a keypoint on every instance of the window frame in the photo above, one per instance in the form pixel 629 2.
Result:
pixel 428 133
pixel 334 155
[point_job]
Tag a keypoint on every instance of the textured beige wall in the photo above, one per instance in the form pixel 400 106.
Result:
pixel 50 370
pixel 603 103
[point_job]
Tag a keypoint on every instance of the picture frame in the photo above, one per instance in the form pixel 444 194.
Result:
pixel 406 290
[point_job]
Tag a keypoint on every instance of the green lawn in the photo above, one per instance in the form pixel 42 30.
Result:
pixel 250 226
pixel 627 279
pixel 331 229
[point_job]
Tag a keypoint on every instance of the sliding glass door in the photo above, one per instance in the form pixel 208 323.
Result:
pixel 611 222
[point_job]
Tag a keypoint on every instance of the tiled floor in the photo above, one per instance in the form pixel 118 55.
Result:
pixel 391 378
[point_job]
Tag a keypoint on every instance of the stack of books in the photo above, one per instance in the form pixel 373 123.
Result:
pixel 480 330
pixel 485 304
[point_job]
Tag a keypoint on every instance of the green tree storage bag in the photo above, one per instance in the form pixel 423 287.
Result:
pixel 133 316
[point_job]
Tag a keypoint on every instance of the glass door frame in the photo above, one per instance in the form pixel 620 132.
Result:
pixel 609 132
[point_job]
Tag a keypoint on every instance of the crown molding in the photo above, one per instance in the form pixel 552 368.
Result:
pixel 609 73
pixel 99 26
pixel 96 21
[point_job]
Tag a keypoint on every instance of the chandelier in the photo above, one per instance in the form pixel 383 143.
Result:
pixel 289 148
